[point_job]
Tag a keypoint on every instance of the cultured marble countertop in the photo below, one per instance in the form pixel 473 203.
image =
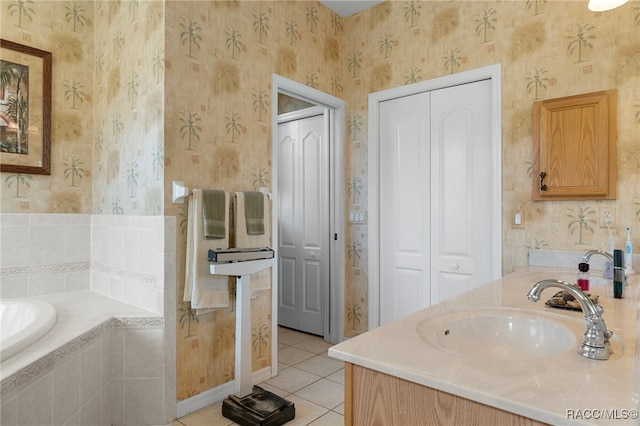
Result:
pixel 76 314
pixel 548 389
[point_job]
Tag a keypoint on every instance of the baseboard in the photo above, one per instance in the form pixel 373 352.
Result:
pixel 216 394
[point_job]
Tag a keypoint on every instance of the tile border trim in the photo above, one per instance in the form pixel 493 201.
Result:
pixel 37 269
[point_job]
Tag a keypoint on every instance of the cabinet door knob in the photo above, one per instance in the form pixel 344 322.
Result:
pixel 543 187
pixel 454 266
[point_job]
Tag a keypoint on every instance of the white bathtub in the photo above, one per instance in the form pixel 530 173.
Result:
pixel 22 323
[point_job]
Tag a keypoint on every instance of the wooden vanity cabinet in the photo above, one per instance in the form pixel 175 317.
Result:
pixel 374 398
pixel 575 147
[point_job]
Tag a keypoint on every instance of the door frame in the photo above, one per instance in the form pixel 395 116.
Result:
pixel 491 72
pixel 334 295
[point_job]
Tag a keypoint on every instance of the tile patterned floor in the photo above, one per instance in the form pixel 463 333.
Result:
pixel 306 376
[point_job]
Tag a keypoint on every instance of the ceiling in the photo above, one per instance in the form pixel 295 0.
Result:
pixel 346 8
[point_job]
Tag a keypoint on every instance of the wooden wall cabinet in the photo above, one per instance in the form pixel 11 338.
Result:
pixel 575 147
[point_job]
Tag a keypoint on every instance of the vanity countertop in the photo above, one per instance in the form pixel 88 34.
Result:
pixel 563 389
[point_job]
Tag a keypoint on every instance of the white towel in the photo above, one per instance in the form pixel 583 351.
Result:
pixel 261 280
pixel 204 290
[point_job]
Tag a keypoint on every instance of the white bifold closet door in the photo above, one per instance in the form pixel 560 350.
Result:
pixel 435 203
pixel 303 224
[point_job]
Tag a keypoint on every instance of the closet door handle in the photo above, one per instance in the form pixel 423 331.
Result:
pixel 543 187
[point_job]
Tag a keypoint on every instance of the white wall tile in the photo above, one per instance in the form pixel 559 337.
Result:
pixel 14 286
pixel 117 358
pixel 143 402
pixel 144 355
pixel 117 289
pixel 46 244
pixel 14 219
pixel 9 412
pixel 66 391
pixel 78 243
pixel 116 246
pixel 14 245
pixel 107 405
pixel 46 219
pixel 101 244
pixel 77 281
pixel 35 404
pixel 91 372
pixel 91 413
pixel 100 283
pixel 107 357
pixel 131 249
pixel 46 283
pixel 117 402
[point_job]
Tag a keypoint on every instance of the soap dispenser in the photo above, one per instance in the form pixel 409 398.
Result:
pixel 583 276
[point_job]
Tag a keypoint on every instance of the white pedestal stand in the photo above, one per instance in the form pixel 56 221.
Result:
pixel 249 405
pixel 242 271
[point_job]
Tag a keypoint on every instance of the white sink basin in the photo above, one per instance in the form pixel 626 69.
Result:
pixel 495 333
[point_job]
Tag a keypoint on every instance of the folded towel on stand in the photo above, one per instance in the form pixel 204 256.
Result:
pixel 204 290
pixel 243 237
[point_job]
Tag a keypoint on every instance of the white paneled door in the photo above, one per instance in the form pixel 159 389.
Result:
pixel 435 205
pixel 405 190
pixel 303 224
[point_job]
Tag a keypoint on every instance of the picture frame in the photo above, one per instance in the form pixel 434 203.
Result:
pixel 25 109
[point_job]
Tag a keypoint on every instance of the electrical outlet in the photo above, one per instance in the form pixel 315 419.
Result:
pixel 607 217
pixel 518 219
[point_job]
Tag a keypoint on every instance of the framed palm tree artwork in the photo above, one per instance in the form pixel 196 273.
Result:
pixel 25 109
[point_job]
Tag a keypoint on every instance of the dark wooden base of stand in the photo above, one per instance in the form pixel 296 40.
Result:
pixel 260 408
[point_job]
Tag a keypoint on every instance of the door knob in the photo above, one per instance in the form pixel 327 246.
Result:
pixel 454 266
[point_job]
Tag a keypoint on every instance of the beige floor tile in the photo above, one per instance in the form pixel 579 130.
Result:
pixel 281 393
pixel 329 419
pixel 324 392
pixel 320 365
pixel 339 409
pixel 211 415
pixel 338 376
pixel 315 345
pixel 292 355
pixel 292 337
pixel 306 411
pixel 292 379
pixel 282 366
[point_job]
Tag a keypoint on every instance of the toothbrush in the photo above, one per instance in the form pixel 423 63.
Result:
pixel 628 254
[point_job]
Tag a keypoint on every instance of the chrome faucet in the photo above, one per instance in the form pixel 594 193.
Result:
pixel 590 253
pixel 595 343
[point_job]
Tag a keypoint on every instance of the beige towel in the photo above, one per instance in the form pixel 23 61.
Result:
pixel 261 280
pixel 203 290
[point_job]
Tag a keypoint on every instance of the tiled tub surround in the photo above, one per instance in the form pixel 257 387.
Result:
pixel 542 389
pixel 44 254
pixel 106 361
pixel 102 363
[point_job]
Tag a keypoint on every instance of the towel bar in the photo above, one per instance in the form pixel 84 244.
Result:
pixel 179 192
